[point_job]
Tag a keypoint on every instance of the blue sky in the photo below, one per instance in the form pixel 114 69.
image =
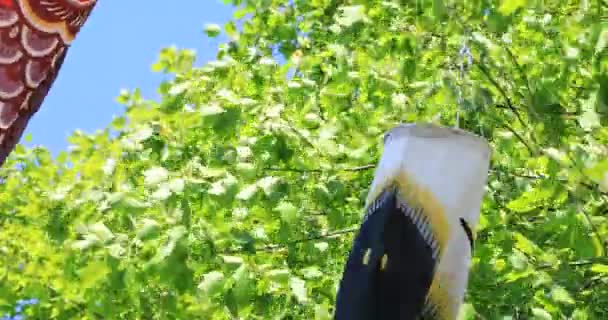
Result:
pixel 115 50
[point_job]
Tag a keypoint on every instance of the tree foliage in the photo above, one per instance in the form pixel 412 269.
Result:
pixel 236 194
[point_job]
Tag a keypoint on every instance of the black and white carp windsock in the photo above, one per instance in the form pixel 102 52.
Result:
pixel 412 254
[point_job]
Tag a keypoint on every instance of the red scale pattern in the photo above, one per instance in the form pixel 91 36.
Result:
pixel 34 38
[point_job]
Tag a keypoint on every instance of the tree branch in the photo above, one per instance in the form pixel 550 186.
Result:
pixel 341 232
pixel 353 169
pixel 520 138
pixel 502 91
pixel 519 68
pixel 282 246
pixel 294 170
pixel 578 263
pixel 542 176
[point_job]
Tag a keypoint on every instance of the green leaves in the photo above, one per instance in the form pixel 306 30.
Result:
pixel 148 228
pixel 541 314
pixel 211 110
pixel 531 199
pixel 560 294
pixel 350 15
pixel 93 235
pixel 279 275
pixel 154 176
pixel 600 268
pixel 289 213
pixel 212 30
pixel 247 192
pixel 298 288
pixel 174 234
pixel 602 40
pixel 215 202
pixel 212 283
pixel 93 273
pixel 599 173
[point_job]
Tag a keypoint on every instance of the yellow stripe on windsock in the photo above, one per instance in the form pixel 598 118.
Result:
pixel 440 305
pixel 417 197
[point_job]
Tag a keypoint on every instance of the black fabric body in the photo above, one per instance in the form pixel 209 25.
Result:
pixel 399 291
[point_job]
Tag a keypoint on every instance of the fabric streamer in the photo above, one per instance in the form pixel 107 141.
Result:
pixel 411 256
pixel 34 38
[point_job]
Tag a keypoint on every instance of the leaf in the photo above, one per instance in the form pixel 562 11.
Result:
pixel 217 188
pixel 231 30
pixel 179 88
pixel 322 313
pixel 212 172
pixel 589 120
pixel 212 30
pixel 92 273
pixel 212 283
pixel 289 213
pixel 149 228
pixel 175 234
pixel 602 41
pixel 116 250
pixel 267 184
pixel 278 275
pixel 233 260
pixel 176 185
pixel 85 244
pixel 598 171
pixel 560 294
pixel 246 170
pixel 321 246
pixel 467 312
pixel 244 286
pixel 247 192
pixel 541 314
pixel 580 314
pixel 524 244
pixel 509 7
pixel 211 110
pixel 156 175
pixel 142 134
pixel 599 268
pixel 312 272
pixel 101 231
pixel 439 9
pixel 162 193
pixel 298 288
pixel 530 200
pixel 518 261
pixel 601 100
pixel 350 15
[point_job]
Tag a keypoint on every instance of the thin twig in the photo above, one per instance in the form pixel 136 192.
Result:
pixel 280 246
pixel 361 168
pixel 519 68
pixel 492 171
pixel 595 231
pixel 566 115
pixel 542 176
pixel 353 169
pixel 578 263
pixel 502 91
pixel 520 138
pixel 294 170
pixel 340 232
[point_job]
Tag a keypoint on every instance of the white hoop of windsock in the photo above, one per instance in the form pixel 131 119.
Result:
pixel 412 254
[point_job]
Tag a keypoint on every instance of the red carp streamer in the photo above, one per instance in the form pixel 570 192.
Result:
pixel 34 38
